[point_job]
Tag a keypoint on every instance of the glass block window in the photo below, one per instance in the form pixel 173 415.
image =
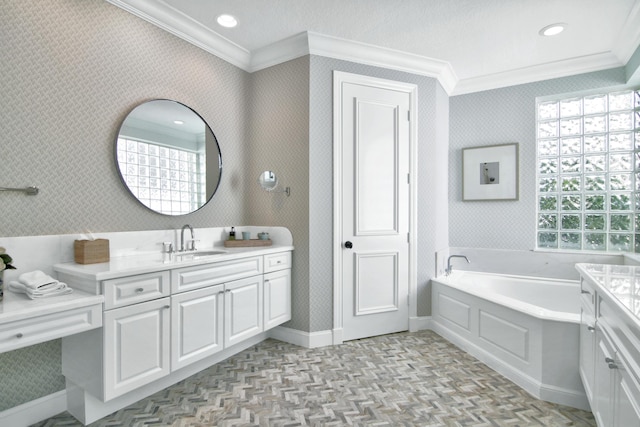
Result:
pixel 588 172
pixel 166 179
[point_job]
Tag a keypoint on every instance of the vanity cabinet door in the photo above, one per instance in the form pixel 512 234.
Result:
pixel 277 298
pixel 243 309
pixel 627 403
pixel 136 346
pixel 587 351
pixel 602 405
pixel 196 325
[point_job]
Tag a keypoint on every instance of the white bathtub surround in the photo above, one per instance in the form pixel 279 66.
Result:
pixel 525 328
pixel 557 265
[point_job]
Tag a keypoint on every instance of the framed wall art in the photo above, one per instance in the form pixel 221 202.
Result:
pixel 490 172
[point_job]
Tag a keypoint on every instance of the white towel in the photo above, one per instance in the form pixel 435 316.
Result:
pixel 50 290
pixel 36 279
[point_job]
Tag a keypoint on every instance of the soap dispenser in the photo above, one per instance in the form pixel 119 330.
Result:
pixel 232 234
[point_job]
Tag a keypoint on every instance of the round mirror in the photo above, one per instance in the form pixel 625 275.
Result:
pixel 168 157
pixel 268 180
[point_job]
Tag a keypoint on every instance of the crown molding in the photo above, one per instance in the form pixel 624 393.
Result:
pixel 550 70
pixel 281 51
pixel 310 43
pixel 629 37
pixel 175 22
pixel 363 53
pixel 162 15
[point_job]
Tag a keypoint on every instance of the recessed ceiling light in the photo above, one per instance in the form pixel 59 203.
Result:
pixel 553 29
pixel 178 122
pixel 227 21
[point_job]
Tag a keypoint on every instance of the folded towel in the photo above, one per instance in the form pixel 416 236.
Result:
pixel 49 290
pixel 36 279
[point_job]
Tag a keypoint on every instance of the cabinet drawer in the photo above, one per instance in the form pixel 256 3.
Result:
pixel 275 262
pixel 185 279
pixel 135 289
pixel 23 333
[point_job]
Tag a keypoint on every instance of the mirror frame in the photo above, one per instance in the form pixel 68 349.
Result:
pixel 268 185
pixel 215 149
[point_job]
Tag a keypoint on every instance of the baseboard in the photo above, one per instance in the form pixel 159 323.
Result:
pixel 35 410
pixel 419 323
pixel 302 338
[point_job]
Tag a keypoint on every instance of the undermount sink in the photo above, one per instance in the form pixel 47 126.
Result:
pixel 198 254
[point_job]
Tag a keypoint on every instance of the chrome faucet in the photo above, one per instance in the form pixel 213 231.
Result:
pixel 449 268
pixel 193 242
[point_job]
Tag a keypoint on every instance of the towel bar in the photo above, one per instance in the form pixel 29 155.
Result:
pixel 31 191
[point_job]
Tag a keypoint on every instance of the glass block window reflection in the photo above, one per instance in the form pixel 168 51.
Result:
pixel 588 172
pixel 168 180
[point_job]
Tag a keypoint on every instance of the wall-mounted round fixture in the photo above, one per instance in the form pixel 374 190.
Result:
pixel 553 29
pixel 269 182
pixel 227 21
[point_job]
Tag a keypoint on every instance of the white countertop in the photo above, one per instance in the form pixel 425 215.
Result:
pixel 18 306
pixel 148 263
pixel 621 283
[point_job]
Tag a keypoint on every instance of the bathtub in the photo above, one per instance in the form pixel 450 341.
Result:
pixel 525 328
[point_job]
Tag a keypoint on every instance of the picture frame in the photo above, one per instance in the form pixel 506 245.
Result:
pixel 490 172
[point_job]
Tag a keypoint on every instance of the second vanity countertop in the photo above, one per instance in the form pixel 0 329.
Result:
pixel 619 283
pixel 148 263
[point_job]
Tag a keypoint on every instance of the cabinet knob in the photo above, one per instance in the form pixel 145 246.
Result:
pixel 591 328
pixel 19 335
pixel 611 363
pixel 585 292
pixel 140 290
pixel 167 306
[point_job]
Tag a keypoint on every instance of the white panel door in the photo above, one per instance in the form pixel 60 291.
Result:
pixel 196 325
pixel 375 210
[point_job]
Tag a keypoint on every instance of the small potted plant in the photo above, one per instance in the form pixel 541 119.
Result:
pixel 5 264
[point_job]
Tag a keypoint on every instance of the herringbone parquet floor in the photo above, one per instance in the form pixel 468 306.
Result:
pixel 406 379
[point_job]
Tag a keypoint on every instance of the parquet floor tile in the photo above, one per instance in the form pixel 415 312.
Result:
pixel 405 379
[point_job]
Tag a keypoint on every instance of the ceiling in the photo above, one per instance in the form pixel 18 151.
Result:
pixel 469 45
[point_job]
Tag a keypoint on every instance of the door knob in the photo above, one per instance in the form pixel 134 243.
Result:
pixel 348 244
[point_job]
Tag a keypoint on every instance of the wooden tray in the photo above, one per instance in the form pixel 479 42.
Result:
pixel 246 243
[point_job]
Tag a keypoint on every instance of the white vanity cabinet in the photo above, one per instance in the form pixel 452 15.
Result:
pixel 610 344
pixel 161 326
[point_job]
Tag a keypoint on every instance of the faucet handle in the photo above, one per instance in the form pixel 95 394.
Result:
pixel 192 245
pixel 167 247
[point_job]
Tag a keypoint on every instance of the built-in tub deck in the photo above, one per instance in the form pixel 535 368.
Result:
pixel 526 328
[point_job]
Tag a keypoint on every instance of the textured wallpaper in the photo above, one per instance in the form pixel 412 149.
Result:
pixel 71 70
pixel 496 117
pixel 279 141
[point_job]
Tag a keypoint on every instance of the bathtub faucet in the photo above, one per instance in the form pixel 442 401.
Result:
pixel 449 268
